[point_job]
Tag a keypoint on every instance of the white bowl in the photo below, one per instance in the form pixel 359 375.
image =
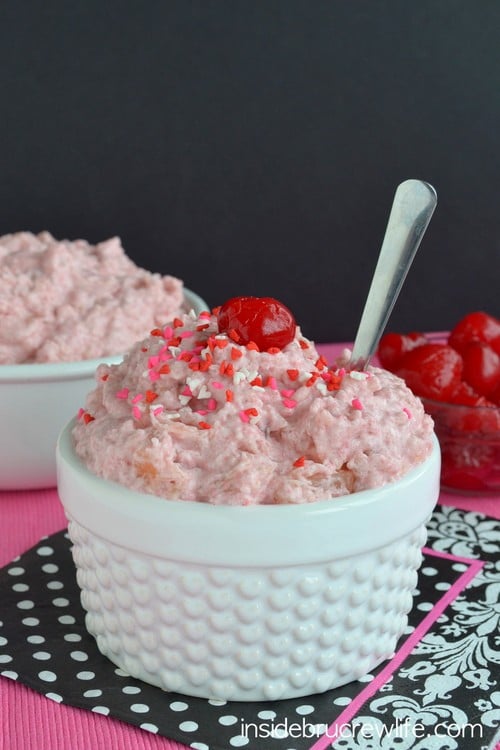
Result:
pixel 36 401
pixel 245 603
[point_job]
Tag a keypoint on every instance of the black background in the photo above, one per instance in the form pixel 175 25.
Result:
pixel 254 147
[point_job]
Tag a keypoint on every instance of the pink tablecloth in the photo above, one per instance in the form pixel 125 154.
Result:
pixel 29 721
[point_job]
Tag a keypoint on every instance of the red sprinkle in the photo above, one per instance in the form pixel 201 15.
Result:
pixel 164 370
pixel 303 344
pixel 234 335
pixel 245 414
pixel 156 332
pixel 300 462
pixel 229 396
pixel 252 346
pixel 215 311
pixel 88 417
pixel 321 363
pixel 273 350
pixel 204 426
pixel 293 374
pixel 256 381
pixel 235 353
pixel 105 377
pixel 203 327
pixel 334 382
pixel 177 323
pixel 356 404
pixel 151 396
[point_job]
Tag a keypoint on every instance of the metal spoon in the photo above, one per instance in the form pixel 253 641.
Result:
pixel 412 208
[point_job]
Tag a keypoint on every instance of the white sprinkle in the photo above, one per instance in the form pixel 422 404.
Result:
pixel 238 377
pixel 174 350
pixel 204 392
pixel 194 382
pixel 356 375
pixel 184 400
pixel 322 387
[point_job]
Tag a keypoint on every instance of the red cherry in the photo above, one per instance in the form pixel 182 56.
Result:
pixel 453 419
pixel 495 396
pixel 393 346
pixel 484 420
pixel 432 371
pixel 465 395
pixel 481 367
pixel 263 320
pixel 470 479
pixel 476 326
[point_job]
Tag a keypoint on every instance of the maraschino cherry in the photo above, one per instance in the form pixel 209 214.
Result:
pixel 264 320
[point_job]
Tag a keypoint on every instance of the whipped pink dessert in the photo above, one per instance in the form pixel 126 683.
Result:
pixel 197 412
pixel 68 301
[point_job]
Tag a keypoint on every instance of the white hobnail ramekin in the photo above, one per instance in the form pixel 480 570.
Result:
pixel 36 401
pixel 246 603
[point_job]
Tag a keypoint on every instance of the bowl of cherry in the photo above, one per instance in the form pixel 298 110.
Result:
pixel 457 376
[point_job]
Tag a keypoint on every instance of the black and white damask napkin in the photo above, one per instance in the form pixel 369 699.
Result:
pixel 441 691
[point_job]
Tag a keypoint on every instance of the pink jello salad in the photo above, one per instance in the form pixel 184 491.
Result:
pixel 192 413
pixel 69 300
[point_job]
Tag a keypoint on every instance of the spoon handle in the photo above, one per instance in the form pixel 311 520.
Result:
pixel 412 209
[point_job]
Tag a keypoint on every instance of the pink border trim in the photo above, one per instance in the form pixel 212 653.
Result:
pixel 473 568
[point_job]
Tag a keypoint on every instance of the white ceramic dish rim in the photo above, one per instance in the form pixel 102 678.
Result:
pixel 258 536
pixel 50 371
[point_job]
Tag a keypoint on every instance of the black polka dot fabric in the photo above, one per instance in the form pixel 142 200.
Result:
pixel 44 644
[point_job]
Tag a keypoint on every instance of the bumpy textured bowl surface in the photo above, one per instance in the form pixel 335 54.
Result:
pixel 36 401
pixel 246 603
